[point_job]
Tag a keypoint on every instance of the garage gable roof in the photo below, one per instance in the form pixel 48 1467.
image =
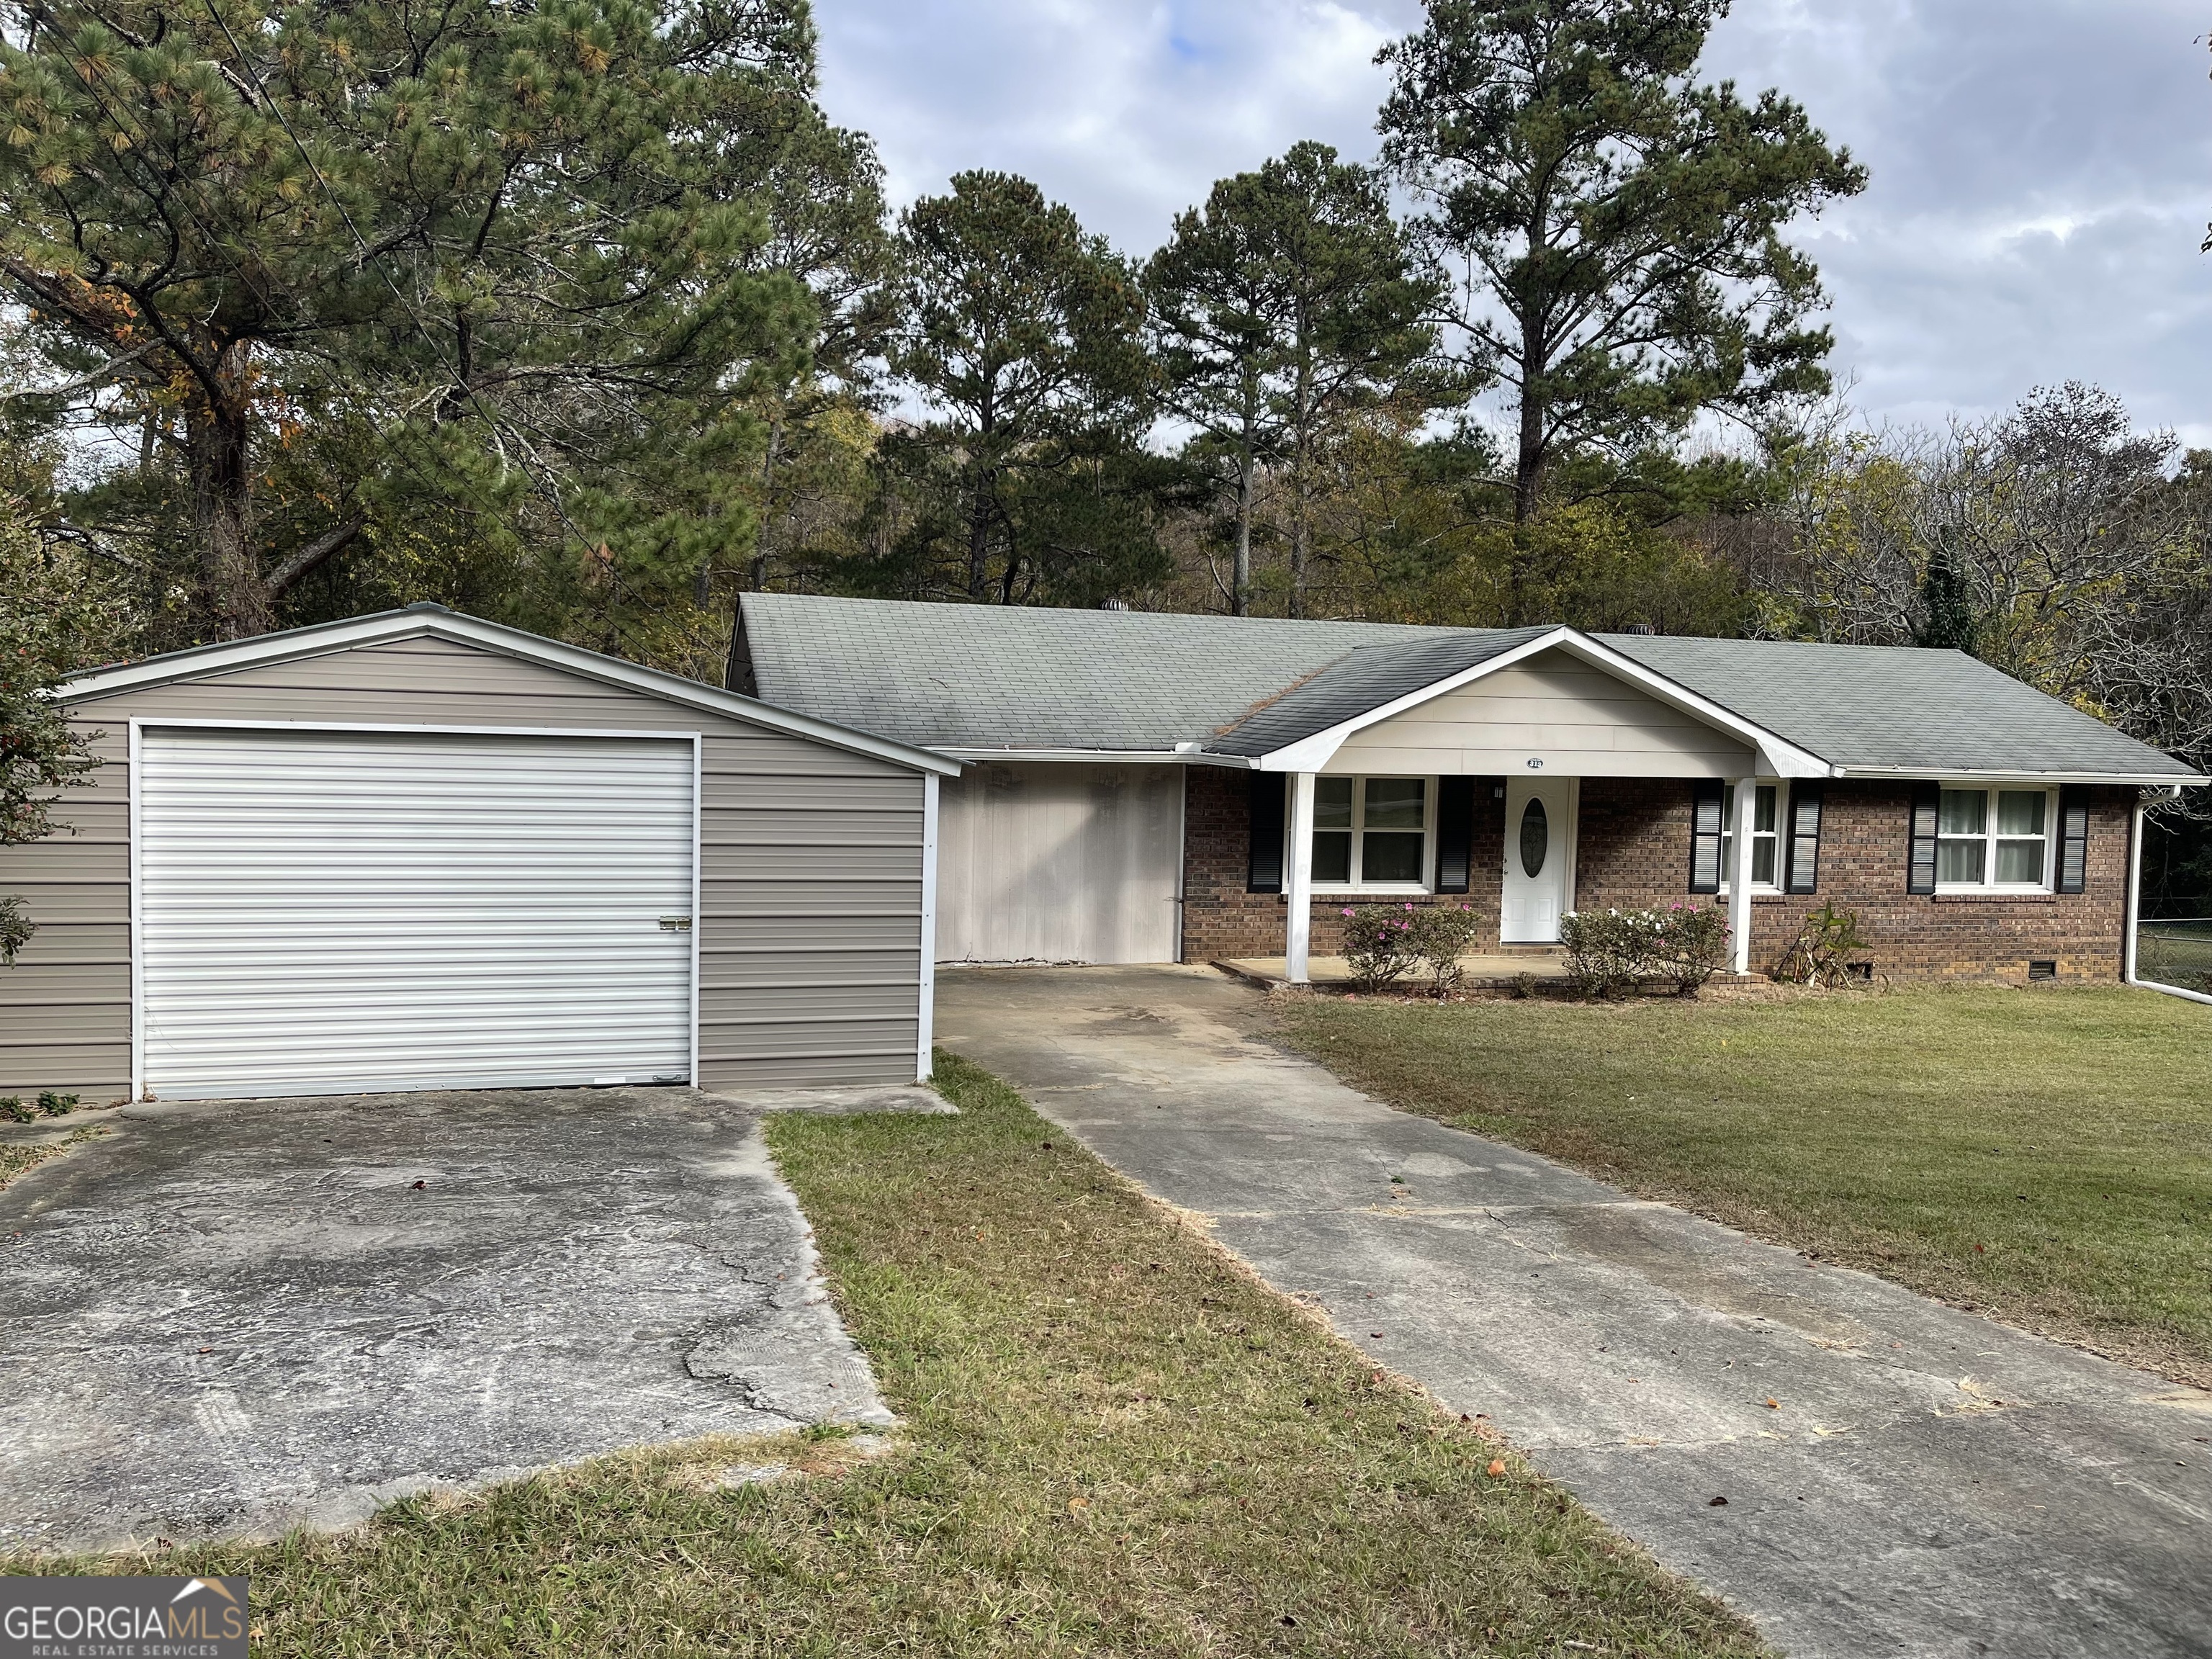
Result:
pixel 435 622
pixel 984 680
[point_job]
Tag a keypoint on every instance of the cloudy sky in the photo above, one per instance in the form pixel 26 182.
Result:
pixel 2042 169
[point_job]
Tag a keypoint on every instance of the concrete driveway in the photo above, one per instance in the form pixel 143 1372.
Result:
pixel 230 1317
pixel 1924 1482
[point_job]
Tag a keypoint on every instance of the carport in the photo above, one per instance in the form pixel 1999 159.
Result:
pixel 422 851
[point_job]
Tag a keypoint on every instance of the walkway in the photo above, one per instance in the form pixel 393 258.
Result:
pixel 1900 1479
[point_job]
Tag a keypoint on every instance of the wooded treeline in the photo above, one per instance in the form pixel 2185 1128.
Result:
pixel 582 315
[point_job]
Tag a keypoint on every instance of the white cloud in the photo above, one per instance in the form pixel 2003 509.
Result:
pixel 2042 169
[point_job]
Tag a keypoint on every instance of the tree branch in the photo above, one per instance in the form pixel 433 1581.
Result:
pixel 315 553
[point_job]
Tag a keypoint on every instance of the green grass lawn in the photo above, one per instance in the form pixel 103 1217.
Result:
pixel 1114 1441
pixel 2043 1156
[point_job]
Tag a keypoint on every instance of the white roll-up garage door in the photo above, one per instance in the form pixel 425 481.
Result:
pixel 328 911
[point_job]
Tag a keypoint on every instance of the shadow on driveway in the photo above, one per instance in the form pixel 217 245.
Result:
pixel 233 1317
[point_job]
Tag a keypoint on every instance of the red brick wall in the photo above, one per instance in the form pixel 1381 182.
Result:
pixel 1633 848
pixel 1220 919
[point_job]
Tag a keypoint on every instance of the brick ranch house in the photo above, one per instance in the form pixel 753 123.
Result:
pixel 1155 787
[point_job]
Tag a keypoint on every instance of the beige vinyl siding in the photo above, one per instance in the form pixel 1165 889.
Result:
pixel 1579 721
pixel 810 928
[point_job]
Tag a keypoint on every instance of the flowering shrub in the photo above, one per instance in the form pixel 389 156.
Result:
pixel 1610 952
pixel 1380 944
pixel 1441 936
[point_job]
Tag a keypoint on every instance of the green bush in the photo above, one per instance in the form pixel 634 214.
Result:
pixel 1379 944
pixel 1442 935
pixel 13 1110
pixel 1610 952
pixel 54 1105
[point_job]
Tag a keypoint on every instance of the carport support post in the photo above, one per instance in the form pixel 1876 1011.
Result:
pixel 1298 937
pixel 1739 874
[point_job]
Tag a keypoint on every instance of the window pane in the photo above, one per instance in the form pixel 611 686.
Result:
pixel 2021 860
pixel 1332 803
pixel 1762 811
pixel 1390 858
pixel 1959 860
pixel 1762 858
pixel 1395 803
pixel 1332 865
pixel 1963 812
pixel 2020 811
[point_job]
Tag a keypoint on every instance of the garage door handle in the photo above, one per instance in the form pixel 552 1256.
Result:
pixel 676 924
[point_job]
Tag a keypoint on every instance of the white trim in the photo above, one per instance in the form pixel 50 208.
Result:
pixel 926 1000
pixel 1102 757
pixel 1780 832
pixel 1921 774
pixel 1427 883
pixel 1737 873
pixel 1298 925
pixel 1988 790
pixel 137 928
pixel 1781 757
pixel 393 626
pixel 2134 918
pixel 1182 865
pixel 664 734
pixel 698 888
pixel 140 722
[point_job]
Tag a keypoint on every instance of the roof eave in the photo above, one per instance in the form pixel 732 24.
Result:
pixel 1778 755
pixel 389 626
pixel 2022 774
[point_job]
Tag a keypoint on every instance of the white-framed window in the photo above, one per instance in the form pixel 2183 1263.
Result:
pixel 1994 840
pixel 1766 838
pixel 1372 834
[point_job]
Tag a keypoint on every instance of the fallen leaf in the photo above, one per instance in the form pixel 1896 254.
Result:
pixel 418 1186
pixel 1717 1502
pixel 1772 1404
pixel 1077 1506
pixel 1497 1468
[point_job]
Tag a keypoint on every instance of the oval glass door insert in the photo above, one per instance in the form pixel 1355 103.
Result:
pixel 1536 838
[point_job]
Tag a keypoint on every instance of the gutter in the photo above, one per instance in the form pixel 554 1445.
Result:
pixel 1180 754
pixel 2141 779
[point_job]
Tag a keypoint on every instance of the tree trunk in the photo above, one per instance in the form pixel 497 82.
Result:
pixel 234 601
pixel 978 538
pixel 1528 459
pixel 758 579
pixel 1240 596
pixel 1301 457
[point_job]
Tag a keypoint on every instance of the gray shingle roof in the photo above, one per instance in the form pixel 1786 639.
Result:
pixel 978 678
pixel 1896 709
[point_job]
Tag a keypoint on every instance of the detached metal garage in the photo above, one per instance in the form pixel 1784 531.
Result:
pixel 419 851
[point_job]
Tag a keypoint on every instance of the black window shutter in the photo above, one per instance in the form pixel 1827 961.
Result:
pixel 1454 833
pixel 1705 835
pixel 1920 868
pixel 1804 873
pixel 2073 839
pixel 1265 871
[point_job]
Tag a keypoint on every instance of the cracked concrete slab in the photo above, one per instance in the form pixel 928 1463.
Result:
pixel 1902 1480
pixel 228 1318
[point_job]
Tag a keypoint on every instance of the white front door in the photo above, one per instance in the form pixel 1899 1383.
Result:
pixel 1539 859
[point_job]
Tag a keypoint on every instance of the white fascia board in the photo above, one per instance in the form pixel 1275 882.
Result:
pixel 1971 775
pixel 1778 756
pixel 393 626
pixel 1102 757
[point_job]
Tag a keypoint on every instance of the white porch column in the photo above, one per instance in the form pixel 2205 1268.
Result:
pixel 1739 874
pixel 1298 941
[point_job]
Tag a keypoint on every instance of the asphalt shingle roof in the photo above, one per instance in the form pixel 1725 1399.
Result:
pixel 978 678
